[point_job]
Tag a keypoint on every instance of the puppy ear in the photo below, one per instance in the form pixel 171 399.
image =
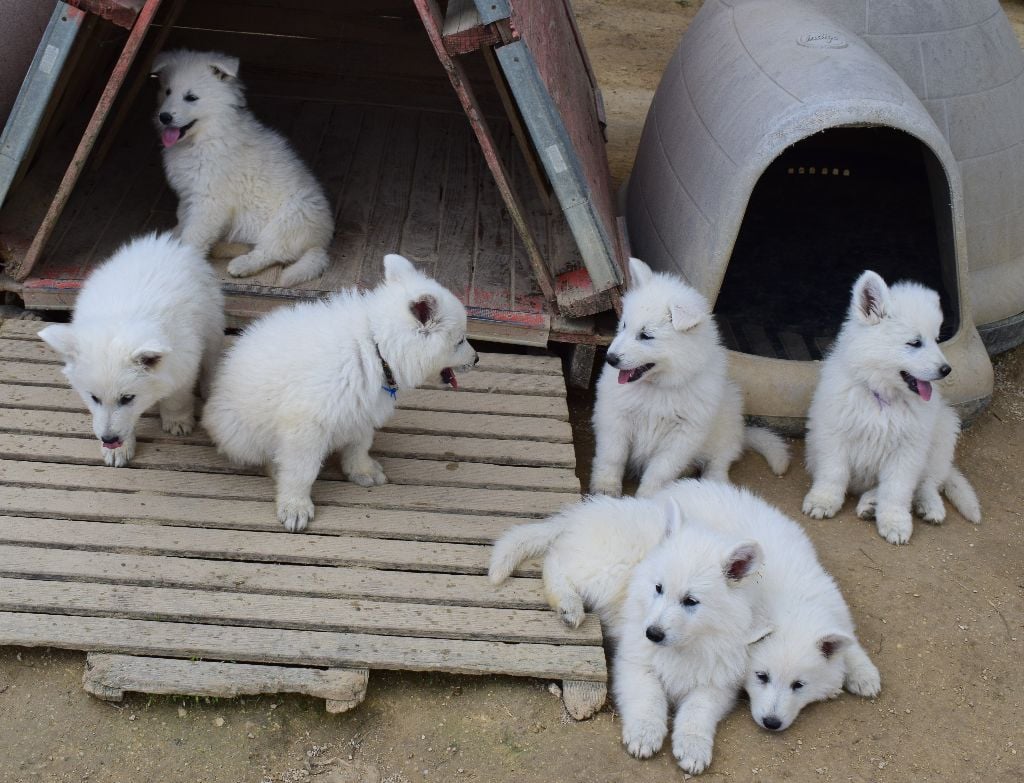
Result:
pixel 149 355
pixel 674 517
pixel 742 561
pixel 423 309
pixel 224 66
pixel 639 273
pixel 62 339
pixel 759 631
pixel 830 644
pixel 161 62
pixel 687 312
pixel 396 267
pixel 870 298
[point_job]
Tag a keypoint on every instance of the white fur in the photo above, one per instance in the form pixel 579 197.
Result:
pixel 869 432
pixel 146 323
pixel 621 558
pixel 812 641
pixel 237 179
pixel 307 380
pixel 684 410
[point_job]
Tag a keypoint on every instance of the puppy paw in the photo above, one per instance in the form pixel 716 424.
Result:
pixel 571 612
pixel 119 457
pixel 295 513
pixel 822 505
pixel 864 680
pixel 895 526
pixel 369 475
pixel 693 752
pixel 866 505
pixel 180 426
pixel 931 509
pixel 643 738
pixel 605 486
pixel 244 265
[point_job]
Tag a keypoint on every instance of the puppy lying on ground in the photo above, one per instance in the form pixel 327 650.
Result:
pixel 147 322
pixel 320 377
pixel 876 424
pixel 664 400
pixel 236 179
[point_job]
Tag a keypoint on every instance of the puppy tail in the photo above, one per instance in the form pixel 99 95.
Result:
pixel 311 264
pixel 961 494
pixel 519 543
pixel 770 446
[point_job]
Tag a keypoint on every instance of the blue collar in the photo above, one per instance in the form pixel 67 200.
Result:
pixel 390 386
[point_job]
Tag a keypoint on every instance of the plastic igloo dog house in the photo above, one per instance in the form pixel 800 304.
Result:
pixel 790 145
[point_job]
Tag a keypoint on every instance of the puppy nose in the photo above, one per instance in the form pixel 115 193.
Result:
pixel 771 722
pixel 655 634
pixel 945 370
pixel 613 359
pixel 476 358
pixel 166 118
pixel 110 439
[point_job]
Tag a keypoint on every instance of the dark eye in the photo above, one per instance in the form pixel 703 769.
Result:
pixel 762 677
pixel 95 399
pixel 690 601
pixel 658 588
pixel 191 98
pixel 460 342
pixel 645 336
pixel 797 685
pixel 915 343
pixel 167 91
pixel 127 398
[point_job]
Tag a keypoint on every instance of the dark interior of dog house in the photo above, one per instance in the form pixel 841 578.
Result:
pixel 830 206
pixel 363 96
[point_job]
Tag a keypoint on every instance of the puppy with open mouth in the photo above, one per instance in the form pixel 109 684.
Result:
pixel 877 425
pixel 322 376
pixel 665 402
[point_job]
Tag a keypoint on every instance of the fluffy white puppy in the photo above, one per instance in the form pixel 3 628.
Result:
pixel 146 323
pixel 236 179
pixel 320 377
pixel 665 402
pixel 876 424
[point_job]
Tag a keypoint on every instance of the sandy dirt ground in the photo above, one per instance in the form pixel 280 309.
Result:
pixel 943 618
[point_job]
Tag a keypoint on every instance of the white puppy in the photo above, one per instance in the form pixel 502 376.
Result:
pixel 876 425
pixel 664 400
pixel 812 651
pixel 146 323
pixel 236 179
pixel 320 377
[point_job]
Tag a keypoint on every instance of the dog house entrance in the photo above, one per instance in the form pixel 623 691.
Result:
pixel 829 207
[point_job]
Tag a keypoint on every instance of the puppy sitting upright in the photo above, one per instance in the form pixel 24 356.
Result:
pixel 146 323
pixel 236 179
pixel 664 400
pixel 321 376
pixel 876 424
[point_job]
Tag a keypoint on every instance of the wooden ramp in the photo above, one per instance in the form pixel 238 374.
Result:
pixel 177 577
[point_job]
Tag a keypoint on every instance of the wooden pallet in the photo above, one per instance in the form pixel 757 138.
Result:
pixel 177 577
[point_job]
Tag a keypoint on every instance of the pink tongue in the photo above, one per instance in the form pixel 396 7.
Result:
pixel 453 381
pixel 169 137
pixel 624 376
pixel 115 445
pixel 924 389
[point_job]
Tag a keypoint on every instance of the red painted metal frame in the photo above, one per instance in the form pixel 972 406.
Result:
pixel 92 130
pixel 121 12
pixel 430 15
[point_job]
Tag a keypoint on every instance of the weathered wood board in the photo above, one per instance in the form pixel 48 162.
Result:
pixel 176 577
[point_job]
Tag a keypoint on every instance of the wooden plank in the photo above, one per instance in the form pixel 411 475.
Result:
pixel 49 374
pixel 213 513
pixel 498 502
pixel 428 621
pixel 513 452
pixel 306 648
pixel 531 364
pixel 108 677
pixel 419 238
pixel 491 285
pixel 456 241
pixel 89 563
pixel 79 451
pixel 22 391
